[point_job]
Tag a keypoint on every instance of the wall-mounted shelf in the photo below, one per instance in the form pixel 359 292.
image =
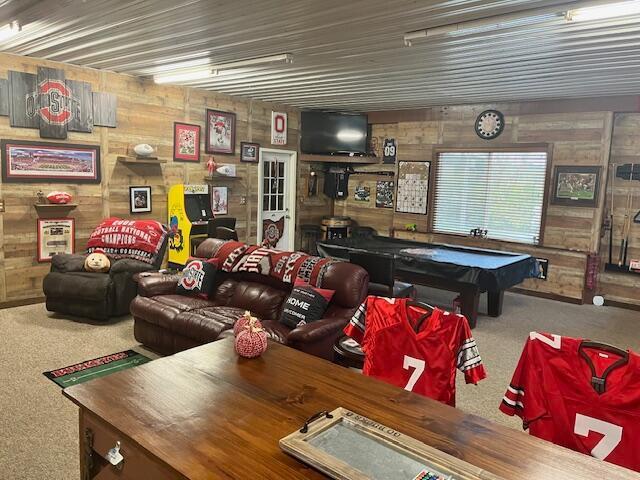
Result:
pixel 305 157
pixel 53 206
pixel 140 161
pixel 207 178
pixel 612 267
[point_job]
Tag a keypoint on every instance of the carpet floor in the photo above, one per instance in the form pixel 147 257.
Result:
pixel 38 426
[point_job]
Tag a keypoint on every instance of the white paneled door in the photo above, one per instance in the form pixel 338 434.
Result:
pixel 277 198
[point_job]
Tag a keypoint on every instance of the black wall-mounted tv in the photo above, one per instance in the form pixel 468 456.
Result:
pixel 333 132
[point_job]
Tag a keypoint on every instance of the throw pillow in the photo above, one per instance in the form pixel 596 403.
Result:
pixel 305 304
pixel 197 279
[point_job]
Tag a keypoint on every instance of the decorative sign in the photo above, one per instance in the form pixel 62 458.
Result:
pixel 413 187
pixel 55 236
pixel 24 161
pixel 389 150
pixel 54 105
pixel 278 128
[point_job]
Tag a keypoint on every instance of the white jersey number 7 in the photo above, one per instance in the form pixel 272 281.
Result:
pixel 418 366
pixel 612 434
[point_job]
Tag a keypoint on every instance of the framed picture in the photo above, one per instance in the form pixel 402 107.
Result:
pixel 45 162
pixel 219 204
pixel 384 194
pixel 362 193
pixel 413 187
pixel 249 152
pixel 576 186
pixel 278 128
pixel 186 142
pixel 55 236
pixel 140 199
pixel 220 132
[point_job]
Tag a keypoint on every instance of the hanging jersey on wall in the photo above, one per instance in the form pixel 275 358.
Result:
pixel 423 362
pixel 555 391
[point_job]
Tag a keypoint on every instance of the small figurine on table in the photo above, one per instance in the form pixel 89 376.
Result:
pixel 211 166
pixel 40 198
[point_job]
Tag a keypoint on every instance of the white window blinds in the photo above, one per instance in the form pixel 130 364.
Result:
pixel 502 192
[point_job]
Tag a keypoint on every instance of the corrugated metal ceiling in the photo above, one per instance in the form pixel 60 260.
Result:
pixel 347 54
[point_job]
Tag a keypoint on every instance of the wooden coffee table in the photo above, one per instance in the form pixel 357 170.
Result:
pixel 205 413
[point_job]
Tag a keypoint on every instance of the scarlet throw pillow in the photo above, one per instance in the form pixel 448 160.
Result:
pixel 305 304
pixel 197 279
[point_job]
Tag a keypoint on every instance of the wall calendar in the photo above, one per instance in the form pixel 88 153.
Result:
pixel 413 187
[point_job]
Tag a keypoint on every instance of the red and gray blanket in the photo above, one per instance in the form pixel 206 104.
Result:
pixel 284 266
pixel 137 239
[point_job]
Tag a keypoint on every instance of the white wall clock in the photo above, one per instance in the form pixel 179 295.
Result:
pixel 489 124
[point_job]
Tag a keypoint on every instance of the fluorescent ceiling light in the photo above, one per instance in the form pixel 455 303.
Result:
pixel 9 30
pixel 188 75
pixel 601 12
pixel 179 75
pixel 250 62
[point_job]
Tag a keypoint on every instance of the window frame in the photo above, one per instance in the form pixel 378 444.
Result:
pixel 517 147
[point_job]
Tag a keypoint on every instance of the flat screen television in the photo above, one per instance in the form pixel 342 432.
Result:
pixel 333 132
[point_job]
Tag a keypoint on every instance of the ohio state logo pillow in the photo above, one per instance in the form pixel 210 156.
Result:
pixel 197 279
pixel 305 304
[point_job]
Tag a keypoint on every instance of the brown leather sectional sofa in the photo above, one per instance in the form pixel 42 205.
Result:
pixel 168 323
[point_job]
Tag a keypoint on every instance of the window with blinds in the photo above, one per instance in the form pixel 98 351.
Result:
pixel 502 192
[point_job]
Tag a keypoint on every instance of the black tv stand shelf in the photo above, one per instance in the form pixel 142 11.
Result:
pixel 306 157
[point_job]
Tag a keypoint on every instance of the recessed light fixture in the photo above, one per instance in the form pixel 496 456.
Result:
pixel 178 75
pixel 9 30
pixel 601 12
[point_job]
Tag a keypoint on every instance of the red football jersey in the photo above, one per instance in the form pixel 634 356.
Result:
pixel 423 362
pixel 552 392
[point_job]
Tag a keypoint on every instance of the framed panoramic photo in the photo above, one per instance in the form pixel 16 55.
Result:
pixel 220 132
pixel 576 186
pixel 186 142
pixel 249 152
pixel 25 161
pixel 140 199
pixel 55 236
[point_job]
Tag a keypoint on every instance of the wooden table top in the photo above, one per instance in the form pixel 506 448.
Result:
pixel 206 413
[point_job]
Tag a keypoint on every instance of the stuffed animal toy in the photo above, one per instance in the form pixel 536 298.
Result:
pixel 97 262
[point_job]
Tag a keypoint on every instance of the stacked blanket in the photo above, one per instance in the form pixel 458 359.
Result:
pixel 284 266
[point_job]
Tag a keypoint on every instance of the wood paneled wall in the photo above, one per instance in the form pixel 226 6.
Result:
pixel 625 148
pixel 145 114
pixel 570 233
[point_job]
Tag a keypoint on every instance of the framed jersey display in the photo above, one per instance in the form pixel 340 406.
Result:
pixel 347 446
pixel 389 150
pixel 413 187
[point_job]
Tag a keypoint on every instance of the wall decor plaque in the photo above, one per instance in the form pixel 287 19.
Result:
pixel 55 236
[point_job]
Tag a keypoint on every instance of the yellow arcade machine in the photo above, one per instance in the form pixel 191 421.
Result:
pixel 189 211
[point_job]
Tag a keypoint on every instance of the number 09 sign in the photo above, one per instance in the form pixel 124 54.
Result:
pixel 278 128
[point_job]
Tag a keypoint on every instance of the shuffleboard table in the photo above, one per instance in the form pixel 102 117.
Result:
pixel 466 270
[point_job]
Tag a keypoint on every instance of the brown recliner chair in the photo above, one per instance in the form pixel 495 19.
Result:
pixel 169 323
pixel 70 290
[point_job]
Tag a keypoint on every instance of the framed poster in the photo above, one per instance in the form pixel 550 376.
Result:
pixel 278 128
pixel 576 186
pixel 140 199
pixel 45 162
pixel 249 152
pixel 55 236
pixel 413 187
pixel 384 194
pixel 220 132
pixel 186 142
pixel 362 193
pixel 219 204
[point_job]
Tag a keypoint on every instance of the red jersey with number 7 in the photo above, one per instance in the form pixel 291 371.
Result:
pixel 422 361
pixel 577 395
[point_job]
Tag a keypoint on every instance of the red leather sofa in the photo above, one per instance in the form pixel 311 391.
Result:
pixel 169 323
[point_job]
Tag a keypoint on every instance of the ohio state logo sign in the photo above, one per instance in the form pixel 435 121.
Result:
pixel 54 103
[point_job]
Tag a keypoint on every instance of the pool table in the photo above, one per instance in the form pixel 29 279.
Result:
pixel 466 270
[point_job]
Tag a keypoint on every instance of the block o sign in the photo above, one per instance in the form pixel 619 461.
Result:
pixel 278 128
